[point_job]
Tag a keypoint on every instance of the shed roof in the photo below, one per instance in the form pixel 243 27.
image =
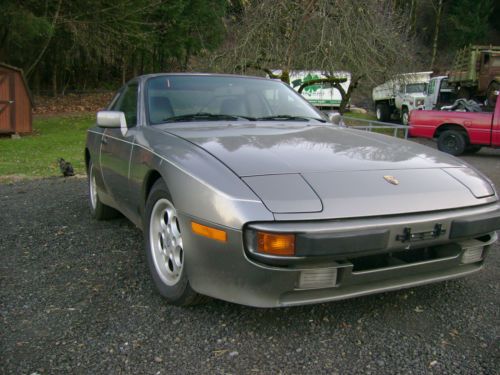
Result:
pixel 19 70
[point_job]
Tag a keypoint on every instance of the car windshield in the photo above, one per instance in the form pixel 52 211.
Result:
pixel 177 98
pixel 414 88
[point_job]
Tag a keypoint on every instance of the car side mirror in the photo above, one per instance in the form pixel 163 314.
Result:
pixel 336 118
pixel 112 119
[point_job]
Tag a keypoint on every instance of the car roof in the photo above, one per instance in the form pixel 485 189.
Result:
pixel 152 75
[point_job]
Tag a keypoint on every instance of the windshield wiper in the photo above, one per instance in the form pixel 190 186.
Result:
pixel 289 117
pixel 204 116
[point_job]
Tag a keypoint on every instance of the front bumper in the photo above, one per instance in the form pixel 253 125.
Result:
pixel 231 272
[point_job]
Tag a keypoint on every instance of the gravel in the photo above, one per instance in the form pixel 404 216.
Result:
pixel 76 297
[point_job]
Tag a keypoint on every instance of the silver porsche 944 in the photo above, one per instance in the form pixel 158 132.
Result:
pixel 245 192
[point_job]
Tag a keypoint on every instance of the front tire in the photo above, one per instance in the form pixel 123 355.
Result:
pixel 98 210
pixel 452 142
pixel 165 248
pixel 405 116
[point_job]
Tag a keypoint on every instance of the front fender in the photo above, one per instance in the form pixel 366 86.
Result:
pixel 200 185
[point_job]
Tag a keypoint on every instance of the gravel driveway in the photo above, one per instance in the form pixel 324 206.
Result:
pixel 76 297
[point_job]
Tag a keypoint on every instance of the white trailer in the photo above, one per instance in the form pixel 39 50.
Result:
pixel 400 95
pixel 321 96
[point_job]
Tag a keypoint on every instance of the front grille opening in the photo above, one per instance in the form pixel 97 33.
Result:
pixel 404 257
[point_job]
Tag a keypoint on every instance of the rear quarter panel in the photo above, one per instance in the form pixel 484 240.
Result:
pixel 477 125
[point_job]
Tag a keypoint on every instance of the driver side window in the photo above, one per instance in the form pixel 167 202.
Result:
pixel 127 103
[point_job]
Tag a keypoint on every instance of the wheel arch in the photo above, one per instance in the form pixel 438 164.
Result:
pixel 444 127
pixel 151 177
pixel 87 158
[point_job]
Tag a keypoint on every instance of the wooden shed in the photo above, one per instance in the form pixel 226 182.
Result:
pixel 16 102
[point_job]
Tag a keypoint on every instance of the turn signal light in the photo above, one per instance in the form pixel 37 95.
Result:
pixel 203 230
pixel 276 244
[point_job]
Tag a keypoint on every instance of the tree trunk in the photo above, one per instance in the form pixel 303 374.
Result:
pixel 347 95
pixel 285 76
pixel 36 82
pixel 124 70
pixel 413 17
pixel 47 42
pixel 54 80
pixel 436 33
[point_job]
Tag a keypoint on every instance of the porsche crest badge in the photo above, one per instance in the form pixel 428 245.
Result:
pixel 391 179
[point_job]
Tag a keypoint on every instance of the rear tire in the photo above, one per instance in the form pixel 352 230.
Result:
pixel 382 112
pixel 98 210
pixel 452 142
pixel 165 248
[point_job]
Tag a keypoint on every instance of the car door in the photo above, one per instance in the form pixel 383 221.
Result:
pixel 430 98
pixel 116 147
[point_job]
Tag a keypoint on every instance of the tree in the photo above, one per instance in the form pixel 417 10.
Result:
pixel 84 43
pixel 437 24
pixel 368 39
pixel 467 22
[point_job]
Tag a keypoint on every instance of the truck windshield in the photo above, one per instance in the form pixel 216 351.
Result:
pixel 189 98
pixel 413 88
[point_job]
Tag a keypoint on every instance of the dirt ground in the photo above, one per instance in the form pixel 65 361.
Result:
pixel 76 298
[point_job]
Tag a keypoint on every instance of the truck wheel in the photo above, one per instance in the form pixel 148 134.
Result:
pixel 405 116
pixel 490 94
pixel 382 112
pixel 452 142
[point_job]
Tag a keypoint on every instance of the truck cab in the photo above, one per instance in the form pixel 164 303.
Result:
pixel 439 93
pixel 400 95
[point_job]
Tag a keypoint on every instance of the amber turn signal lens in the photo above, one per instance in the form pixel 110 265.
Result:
pixel 276 244
pixel 214 234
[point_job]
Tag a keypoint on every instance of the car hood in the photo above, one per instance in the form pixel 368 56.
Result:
pixel 338 172
pixel 277 148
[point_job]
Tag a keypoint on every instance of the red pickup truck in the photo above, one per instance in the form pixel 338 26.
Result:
pixel 458 132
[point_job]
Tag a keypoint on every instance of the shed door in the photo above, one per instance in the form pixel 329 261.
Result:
pixel 7 113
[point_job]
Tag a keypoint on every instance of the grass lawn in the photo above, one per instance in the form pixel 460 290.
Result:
pixel 36 155
pixel 363 116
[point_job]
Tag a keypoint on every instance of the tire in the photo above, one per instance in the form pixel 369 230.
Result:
pixel 98 210
pixel 382 112
pixel 491 97
pixel 472 149
pixel 452 142
pixel 165 250
pixel 405 116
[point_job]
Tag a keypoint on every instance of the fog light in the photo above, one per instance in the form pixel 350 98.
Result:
pixel 472 255
pixel 318 278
